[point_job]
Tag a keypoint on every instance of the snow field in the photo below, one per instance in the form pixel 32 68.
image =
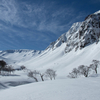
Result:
pixel 62 89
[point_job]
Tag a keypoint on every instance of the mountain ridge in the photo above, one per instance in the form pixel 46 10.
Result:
pixel 91 22
pixel 80 34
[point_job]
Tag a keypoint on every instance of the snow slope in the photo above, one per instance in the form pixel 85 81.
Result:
pixel 65 89
pixel 63 62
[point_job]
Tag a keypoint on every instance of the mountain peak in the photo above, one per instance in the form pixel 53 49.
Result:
pixel 97 12
pixel 80 34
pixel 87 33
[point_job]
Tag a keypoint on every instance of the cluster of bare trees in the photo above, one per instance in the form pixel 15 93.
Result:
pixel 36 75
pixel 8 69
pixel 50 73
pixel 5 69
pixel 84 70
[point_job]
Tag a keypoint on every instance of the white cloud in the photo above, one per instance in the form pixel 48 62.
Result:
pixel 35 17
pixel 8 11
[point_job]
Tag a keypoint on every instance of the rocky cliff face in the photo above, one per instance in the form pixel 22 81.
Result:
pixel 86 34
pixel 80 34
pixel 64 37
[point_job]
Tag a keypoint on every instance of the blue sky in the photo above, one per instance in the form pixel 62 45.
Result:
pixel 34 24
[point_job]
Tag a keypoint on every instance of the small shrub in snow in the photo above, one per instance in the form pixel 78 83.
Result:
pixel 22 67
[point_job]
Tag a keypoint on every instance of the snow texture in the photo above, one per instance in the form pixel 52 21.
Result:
pixel 65 89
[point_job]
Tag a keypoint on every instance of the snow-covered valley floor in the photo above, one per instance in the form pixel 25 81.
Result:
pixel 60 89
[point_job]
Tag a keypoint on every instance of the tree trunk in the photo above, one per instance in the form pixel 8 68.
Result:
pixel 35 79
pixel 51 78
pixel 42 77
pixel 96 70
pixel 86 74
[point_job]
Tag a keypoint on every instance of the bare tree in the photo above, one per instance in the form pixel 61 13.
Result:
pixel 10 68
pixel 7 70
pixel 84 70
pixel 2 65
pixel 71 75
pixel 42 75
pixel 32 75
pixel 95 65
pixel 54 74
pixel 74 73
pixel 50 73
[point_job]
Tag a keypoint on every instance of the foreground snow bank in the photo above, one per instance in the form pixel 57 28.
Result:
pixel 63 89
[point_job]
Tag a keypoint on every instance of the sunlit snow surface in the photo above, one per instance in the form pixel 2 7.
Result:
pixel 63 89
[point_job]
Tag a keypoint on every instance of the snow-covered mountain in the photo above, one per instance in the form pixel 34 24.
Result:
pixel 64 37
pixel 6 52
pixel 81 40
pixel 80 34
pixel 11 56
